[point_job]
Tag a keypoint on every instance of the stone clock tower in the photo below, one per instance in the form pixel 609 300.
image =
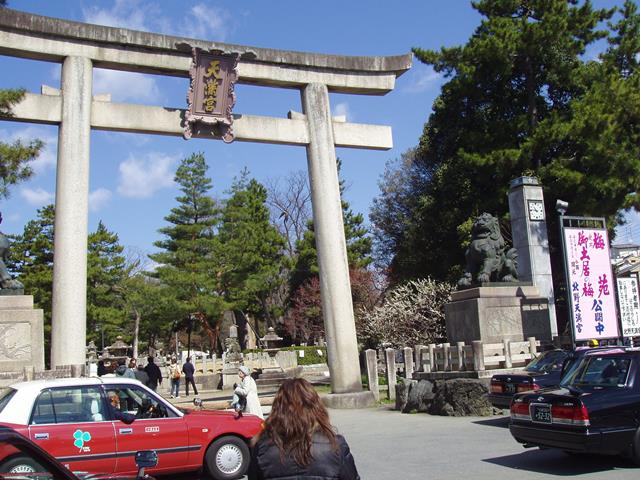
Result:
pixel 530 239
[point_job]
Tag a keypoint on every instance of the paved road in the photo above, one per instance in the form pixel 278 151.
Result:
pixel 389 445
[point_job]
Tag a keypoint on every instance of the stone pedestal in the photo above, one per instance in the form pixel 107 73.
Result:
pixel 348 400
pixel 491 314
pixel 230 375
pixel 21 334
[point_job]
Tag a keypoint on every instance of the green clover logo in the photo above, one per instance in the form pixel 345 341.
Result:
pixel 80 438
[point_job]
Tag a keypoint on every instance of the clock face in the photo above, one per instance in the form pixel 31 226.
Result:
pixel 536 210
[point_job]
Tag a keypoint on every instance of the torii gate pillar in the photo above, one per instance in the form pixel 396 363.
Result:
pixel 69 301
pixel 335 286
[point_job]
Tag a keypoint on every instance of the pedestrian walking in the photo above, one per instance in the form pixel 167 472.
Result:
pixel 189 371
pixel 142 375
pixel 174 375
pixel 155 375
pixel 248 390
pixel 298 441
pixel 124 371
pixel 102 370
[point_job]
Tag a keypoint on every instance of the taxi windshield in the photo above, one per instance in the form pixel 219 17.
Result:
pixel 598 371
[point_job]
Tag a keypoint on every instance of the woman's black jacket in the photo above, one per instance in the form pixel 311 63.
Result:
pixel 327 463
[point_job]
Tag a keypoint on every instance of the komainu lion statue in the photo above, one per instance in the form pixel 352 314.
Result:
pixel 488 260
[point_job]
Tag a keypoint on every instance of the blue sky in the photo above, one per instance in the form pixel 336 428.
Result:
pixel 131 179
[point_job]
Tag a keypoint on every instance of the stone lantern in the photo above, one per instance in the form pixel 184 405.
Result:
pixel 271 341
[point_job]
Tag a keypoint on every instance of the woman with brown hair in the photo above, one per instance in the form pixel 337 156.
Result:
pixel 298 440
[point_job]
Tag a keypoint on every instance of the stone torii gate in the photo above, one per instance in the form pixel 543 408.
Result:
pixel 80 47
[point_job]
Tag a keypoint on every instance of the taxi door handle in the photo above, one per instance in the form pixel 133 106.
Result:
pixel 125 431
pixel 41 436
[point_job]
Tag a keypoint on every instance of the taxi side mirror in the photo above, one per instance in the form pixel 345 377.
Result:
pixel 145 459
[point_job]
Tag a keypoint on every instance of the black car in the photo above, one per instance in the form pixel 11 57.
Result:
pixel 595 409
pixel 22 459
pixel 544 371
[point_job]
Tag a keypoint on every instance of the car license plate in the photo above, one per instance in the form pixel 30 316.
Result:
pixel 509 388
pixel 541 413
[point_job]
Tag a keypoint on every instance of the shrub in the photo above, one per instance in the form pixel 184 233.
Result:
pixel 311 355
pixel 411 314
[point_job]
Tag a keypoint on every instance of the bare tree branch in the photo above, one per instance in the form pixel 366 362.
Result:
pixel 289 201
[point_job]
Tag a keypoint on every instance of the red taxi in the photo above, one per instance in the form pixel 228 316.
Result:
pixel 98 424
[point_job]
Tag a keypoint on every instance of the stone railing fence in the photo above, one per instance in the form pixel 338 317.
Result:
pixel 432 358
pixel 29 373
pixel 256 360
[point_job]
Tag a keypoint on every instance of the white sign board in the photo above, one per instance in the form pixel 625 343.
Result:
pixel 591 295
pixel 629 306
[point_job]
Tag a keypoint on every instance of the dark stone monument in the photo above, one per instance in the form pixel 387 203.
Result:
pixel 488 259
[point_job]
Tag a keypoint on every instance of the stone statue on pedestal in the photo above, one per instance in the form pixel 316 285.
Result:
pixel 7 284
pixel 233 352
pixel 488 259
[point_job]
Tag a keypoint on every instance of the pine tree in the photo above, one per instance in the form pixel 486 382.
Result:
pixel 520 99
pixel 15 157
pixel 187 264
pixel 105 272
pixel 251 249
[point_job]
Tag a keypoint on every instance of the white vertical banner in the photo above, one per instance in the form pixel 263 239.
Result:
pixel 591 295
pixel 629 306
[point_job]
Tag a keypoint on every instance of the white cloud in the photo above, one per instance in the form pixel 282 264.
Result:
pixel 48 155
pixel 200 21
pixel 142 177
pixel 205 22
pixel 342 109
pixel 422 78
pixel 99 198
pixel 37 197
pixel 126 86
pixel 125 14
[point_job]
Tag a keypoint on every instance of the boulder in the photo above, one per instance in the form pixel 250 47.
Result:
pixel 402 393
pixel 420 396
pixel 460 397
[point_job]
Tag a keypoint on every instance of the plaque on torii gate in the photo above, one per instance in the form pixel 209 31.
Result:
pixel 211 95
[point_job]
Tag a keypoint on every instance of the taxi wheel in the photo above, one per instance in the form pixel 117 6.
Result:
pixel 21 465
pixel 227 458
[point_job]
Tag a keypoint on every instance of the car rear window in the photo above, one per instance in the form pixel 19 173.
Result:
pixel 599 370
pixel 6 394
pixel 547 361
